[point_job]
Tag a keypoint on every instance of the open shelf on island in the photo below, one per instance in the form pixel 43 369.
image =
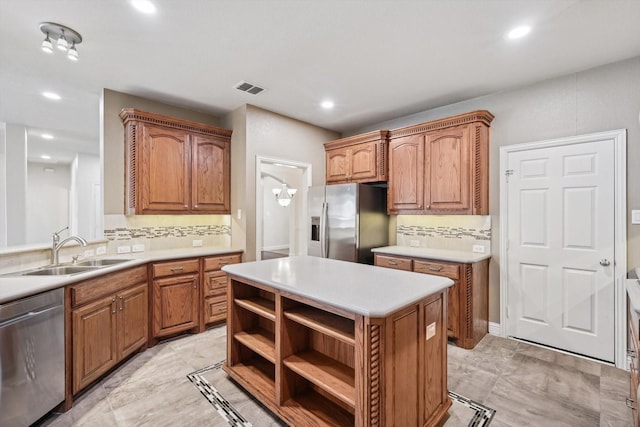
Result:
pixel 255 373
pixel 261 306
pixel 335 378
pixel 260 341
pixel 324 322
pixel 319 410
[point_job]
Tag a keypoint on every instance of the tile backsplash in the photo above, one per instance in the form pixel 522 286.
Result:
pixel 167 231
pixel 456 232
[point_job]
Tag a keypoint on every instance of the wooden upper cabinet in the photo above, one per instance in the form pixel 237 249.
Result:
pixel 406 183
pixel 360 158
pixel 210 175
pixel 441 167
pixel 175 166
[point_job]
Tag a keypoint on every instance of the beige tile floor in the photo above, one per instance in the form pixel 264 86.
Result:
pixel 527 385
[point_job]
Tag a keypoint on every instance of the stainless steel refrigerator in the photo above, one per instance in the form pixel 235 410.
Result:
pixel 346 221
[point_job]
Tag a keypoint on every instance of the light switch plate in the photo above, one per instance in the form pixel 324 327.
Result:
pixel 479 249
pixel 196 243
pixel 124 249
pixel 137 248
pixel 635 216
pixel 101 250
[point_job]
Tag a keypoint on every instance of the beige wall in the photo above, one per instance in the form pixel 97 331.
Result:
pixel 270 135
pixel 600 99
pixel 113 139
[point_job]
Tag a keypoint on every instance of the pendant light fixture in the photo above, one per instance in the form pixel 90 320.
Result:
pixel 284 195
pixel 66 39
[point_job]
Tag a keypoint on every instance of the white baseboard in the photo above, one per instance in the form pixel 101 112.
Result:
pixel 494 329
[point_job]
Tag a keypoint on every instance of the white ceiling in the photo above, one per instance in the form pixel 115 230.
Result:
pixel 376 59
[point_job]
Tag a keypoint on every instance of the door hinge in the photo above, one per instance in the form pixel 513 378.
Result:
pixel 508 173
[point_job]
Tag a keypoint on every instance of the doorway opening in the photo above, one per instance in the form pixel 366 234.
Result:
pixel 281 207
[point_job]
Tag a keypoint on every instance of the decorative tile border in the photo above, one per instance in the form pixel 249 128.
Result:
pixel 482 417
pixel 122 233
pixel 445 232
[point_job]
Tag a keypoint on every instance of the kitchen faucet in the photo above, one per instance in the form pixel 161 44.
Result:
pixel 57 244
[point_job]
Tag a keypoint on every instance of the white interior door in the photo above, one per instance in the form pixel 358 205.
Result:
pixel 561 284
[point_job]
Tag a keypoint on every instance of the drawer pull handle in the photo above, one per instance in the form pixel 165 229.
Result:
pixel 222 308
pixel 176 268
pixel 223 262
pixel 431 268
pixel 630 403
pixel 631 353
pixel 113 305
pixel 121 303
pixel 392 263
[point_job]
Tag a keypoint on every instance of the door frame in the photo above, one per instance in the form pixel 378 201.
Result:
pixel 618 138
pixel 302 192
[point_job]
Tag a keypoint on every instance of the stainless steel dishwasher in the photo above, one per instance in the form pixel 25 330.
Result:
pixel 31 357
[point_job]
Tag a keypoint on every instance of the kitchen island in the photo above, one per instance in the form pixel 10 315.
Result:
pixel 326 342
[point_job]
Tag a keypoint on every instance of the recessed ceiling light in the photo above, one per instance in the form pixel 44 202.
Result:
pixel 47 136
pixel 519 32
pixel 45 156
pixel 52 95
pixel 144 6
pixel 327 105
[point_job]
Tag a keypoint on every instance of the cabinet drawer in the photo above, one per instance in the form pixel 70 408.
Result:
pixel 393 262
pixel 451 271
pixel 109 284
pixel 217 262
pixel 215 309
pixel 176 267
pixel 215 283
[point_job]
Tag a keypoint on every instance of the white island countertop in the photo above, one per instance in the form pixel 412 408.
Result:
pixel 14 286
pixel 431 253
pixel 357 288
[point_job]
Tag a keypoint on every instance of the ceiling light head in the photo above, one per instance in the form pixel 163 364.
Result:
pixel 519 32
pixel 45 157
pixel 47 46
pixel 144 6
pixel 62 43
pixel 327 105
pixel 46 136
pixel 72 54
pixel 52 95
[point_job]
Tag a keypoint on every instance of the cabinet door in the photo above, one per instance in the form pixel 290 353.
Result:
pixel 133 321
pixel 164 177
pixel 175 304
pixel 337 165
pixel 94 341
pixel 447 170
pixel 453 310
pixel 210 175
pixel 363 162
pixel 406 173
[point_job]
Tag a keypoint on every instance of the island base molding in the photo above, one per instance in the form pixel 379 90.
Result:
pixel 313 364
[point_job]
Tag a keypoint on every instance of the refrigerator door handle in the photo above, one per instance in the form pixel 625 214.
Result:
pixel 323 231
pixel 326 230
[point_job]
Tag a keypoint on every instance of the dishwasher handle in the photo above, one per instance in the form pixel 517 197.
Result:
pixel 20 318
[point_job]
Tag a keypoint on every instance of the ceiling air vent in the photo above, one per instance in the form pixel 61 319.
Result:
pixel 248 87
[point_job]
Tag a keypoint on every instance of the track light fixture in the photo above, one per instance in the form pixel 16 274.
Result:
pixel 65 37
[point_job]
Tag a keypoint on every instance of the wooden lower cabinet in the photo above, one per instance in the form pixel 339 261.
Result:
pixel 633 343
pixel 318 365
pixel 214 287
pixel 468 298
pixel 175 304
pixel 108 322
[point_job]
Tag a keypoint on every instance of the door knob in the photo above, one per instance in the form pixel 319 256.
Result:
pixel 604 262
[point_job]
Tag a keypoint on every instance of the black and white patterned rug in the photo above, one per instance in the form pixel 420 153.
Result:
pixel 480 415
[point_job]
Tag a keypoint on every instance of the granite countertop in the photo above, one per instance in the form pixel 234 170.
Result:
pixel 357 288
pixel 430 253
pixel 14 287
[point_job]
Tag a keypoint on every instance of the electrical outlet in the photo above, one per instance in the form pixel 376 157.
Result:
pixel 124 249
pixel 196 243
pixel 137 248
pixel 101 250
pixel 479 249
pixel 239 214
pixel 414 243
pixel 89 253
pixel 635 216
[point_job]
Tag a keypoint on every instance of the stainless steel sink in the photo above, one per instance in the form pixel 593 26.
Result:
pixel 60 270
pixel 101 262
